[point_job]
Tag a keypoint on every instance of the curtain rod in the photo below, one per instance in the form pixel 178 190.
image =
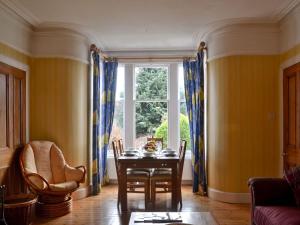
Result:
pixel 202 47
pixel 155 58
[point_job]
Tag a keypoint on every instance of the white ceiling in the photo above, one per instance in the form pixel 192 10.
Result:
pixel 134 25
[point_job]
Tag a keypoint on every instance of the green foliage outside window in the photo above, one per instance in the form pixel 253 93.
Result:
pixel 162 131
pixel 151 84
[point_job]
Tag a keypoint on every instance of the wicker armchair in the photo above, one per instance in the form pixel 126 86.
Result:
pixel 49 176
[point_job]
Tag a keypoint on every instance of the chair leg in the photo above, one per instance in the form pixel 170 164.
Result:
pixel 153 193
pixel 147 193
pixel 180 199
pixel 118 202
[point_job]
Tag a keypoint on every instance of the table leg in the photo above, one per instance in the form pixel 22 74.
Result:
pixel 122 187
pixel 174 188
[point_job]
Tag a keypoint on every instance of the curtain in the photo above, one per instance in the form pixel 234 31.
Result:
pixel 104 88
pixel 194 94
pixel 108 93
pixel 95 70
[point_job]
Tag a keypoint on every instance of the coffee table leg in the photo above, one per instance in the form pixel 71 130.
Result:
pixel 174 188
pixel 122 187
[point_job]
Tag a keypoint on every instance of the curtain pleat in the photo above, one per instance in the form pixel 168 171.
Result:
pixel 194 94
pixel 104 89
pixel 108 93
pixel 95 69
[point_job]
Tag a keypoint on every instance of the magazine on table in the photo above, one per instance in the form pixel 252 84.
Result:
pixel 158 217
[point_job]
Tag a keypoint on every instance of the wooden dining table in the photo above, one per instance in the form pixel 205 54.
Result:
pixel 159 161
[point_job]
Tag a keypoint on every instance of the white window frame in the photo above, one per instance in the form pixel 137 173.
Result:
pixel 150 65
pixel 172 103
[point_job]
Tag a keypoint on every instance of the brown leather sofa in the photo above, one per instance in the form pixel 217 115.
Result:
pixel 273 202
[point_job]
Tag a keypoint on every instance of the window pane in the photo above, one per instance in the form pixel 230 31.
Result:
pixel 120 83
pixel 151 119
pixel 184 121
pixel 184 125
pixel 181 82
pixel 151 83
pixel 118 123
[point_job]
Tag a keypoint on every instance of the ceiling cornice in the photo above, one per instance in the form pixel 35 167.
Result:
pixel 278 15
pixel 212 27
pixel 21 12
pixel 36 23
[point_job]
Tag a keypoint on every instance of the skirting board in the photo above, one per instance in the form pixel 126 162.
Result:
pixel 228 197
pixel 82 192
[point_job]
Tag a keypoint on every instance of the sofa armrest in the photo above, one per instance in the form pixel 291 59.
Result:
pixel 270 191
pixel 75 173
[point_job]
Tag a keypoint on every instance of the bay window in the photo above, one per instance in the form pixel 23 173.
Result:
pixel 150 101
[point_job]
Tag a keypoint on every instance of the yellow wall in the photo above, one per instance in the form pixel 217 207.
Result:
pixel 243 123
pixel 58 102
pixel 295 51
pixel 58 105
pixel 14 54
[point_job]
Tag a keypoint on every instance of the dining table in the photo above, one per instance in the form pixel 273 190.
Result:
pixel 140 161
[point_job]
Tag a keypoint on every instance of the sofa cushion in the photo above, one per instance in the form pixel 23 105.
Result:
pixel 276 215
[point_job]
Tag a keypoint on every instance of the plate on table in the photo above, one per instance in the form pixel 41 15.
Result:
pixel 129 154
pixel 169 151
pixel 131 151
pixel 170 154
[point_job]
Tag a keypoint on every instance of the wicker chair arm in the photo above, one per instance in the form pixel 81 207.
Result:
pixel 28 175
pixel 75 173
pixel 84 173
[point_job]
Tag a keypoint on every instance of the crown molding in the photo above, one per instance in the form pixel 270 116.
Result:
pixel 21 12
pixel 281 13
pixel 60 43
pixel 203 34
pixel 243 39
pixel 274 19
pixel 70 29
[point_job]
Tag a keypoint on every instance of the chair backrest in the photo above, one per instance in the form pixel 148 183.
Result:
pixel 182 150
pixel 45 159
pixel 121 146
pixel 156 139
pixel 117 154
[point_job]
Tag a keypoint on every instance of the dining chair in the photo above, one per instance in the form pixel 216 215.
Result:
pixel 135 179
pixel 161 180
pixel 121 149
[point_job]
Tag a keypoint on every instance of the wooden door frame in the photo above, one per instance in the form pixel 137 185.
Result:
pixel 19 74
pixel 25 68
pixel 287 72
pixel 16 93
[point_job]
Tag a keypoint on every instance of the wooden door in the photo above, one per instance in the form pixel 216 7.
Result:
pixel 291 107
pixel 12 125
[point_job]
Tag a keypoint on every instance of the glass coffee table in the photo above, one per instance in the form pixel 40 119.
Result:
pixel 172 218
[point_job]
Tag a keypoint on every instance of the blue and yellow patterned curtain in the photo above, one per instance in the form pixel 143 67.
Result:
pixel 104 88
pixel 194 94
pixel 95 70
pixel 108 94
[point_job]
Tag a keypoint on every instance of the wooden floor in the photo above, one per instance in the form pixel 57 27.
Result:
pixel 102 209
